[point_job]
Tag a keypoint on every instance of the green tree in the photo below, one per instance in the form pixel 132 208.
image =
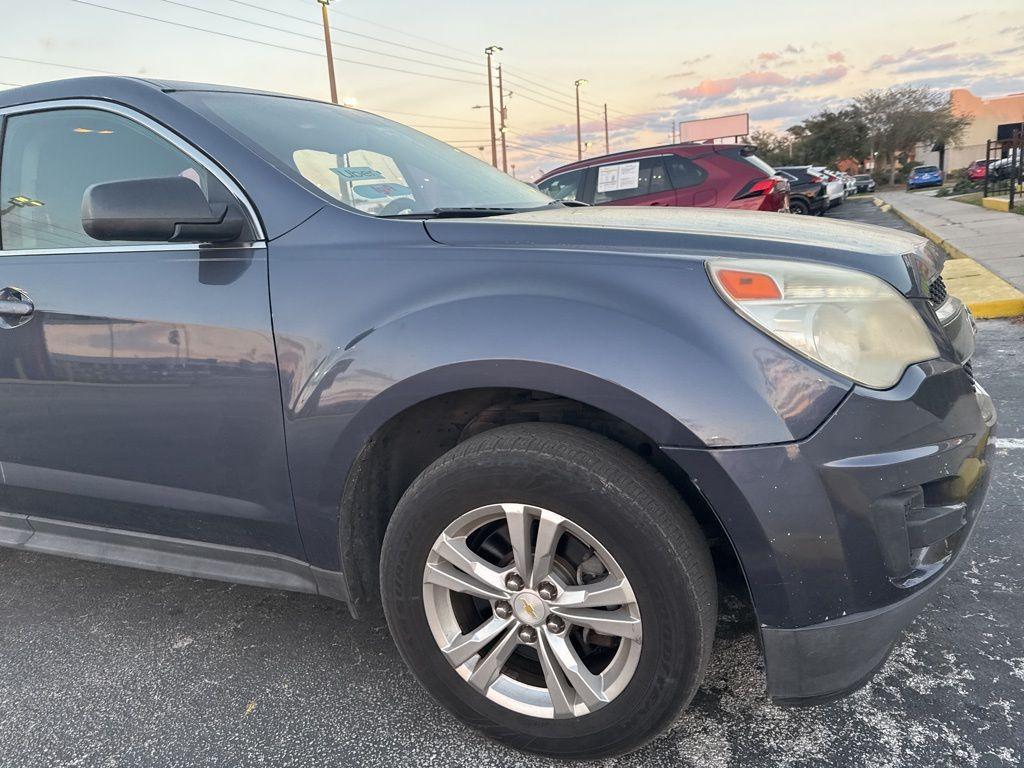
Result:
pixel 772 148
pixel 831 136
pixel 898 119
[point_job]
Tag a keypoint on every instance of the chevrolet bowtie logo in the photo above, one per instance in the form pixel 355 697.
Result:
pixel 528 607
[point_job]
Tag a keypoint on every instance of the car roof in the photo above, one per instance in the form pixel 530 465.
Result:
pixel 641 152
pixel 113 88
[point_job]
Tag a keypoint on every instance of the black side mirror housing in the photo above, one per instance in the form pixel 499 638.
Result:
pixel 164 210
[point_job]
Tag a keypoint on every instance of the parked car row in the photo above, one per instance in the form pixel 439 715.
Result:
pixel 698 175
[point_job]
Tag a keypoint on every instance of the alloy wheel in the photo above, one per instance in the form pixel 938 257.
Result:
pixel 532 610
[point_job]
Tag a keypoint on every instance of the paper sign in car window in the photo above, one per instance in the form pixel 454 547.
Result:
pixel 358 173
pixel 377 191
pixel 611 178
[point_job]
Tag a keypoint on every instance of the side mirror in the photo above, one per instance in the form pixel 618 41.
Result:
pixel 165 210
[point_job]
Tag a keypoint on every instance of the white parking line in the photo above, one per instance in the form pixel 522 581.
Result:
pixel 1008 443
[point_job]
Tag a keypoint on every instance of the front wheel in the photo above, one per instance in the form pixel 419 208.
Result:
pixel 550 588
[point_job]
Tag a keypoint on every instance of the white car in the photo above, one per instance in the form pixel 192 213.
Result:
pixel 835 188
pixel 849 183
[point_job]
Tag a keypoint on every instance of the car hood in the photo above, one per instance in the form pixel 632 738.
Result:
pixel 906 261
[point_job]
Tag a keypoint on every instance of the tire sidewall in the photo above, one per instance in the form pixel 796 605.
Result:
pixel 670 663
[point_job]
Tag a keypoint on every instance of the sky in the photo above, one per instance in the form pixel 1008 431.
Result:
pixel 651 61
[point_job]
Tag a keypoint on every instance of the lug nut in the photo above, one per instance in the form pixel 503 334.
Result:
pixel 547 591
pixel 513 582
pixel 555 624
pixel 503 609
pixel 527 634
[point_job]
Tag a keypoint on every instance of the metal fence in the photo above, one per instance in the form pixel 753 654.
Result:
pixel 1004 163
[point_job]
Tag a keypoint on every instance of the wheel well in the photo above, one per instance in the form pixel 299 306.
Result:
pixel 410 441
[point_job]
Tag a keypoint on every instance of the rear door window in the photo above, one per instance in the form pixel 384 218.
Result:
pixel 621 181
pixel 684 172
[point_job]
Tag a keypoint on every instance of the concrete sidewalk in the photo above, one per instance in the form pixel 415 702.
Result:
pixel 993 241
pixel 991 238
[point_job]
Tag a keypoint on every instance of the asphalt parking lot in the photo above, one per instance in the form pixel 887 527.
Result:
pixel 105 666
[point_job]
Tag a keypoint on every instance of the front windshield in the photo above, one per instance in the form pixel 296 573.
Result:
pixel 361 160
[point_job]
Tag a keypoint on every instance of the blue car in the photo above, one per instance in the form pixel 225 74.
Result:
pixel 924 176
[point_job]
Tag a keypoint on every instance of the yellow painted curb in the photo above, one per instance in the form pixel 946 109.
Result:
pixel 985 294
pixel 996 203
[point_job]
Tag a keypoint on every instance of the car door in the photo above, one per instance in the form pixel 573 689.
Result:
pixel 138 380
pixel 634 182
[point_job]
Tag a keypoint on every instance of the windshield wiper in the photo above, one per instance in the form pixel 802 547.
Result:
pixel 470 212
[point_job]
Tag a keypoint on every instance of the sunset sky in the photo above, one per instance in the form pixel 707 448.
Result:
pixel 652 61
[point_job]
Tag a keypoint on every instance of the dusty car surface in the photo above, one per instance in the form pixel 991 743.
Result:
pixel 283 343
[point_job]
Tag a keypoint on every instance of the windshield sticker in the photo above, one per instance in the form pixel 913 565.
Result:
pixel 377 191
pixel 611 178
pixel 358 173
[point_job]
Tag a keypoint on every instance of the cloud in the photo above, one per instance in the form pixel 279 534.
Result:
pixel 946 61
pixel 827 75
pixel 717 90
pixel 965 17
pixel 793 49
pixel 677 75
pixel 769 56
pixel 909 54
pixel 790 109
pixel 723 86
pixel 696 60
pixel 837 56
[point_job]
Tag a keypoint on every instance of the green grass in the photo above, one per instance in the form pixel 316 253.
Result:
pixel 974 198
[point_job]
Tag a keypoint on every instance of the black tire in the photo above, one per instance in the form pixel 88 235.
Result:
pixel 631 509
pixel 799 207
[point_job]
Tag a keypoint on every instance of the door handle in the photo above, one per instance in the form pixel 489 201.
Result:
pixel 16 308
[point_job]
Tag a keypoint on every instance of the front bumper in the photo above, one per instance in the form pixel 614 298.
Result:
pixel 843 536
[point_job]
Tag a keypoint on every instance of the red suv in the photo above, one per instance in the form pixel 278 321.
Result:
pixel 710 175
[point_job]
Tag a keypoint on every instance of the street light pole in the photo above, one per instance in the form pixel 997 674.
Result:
pixel 579 132
pixel 330 49
pixel 607 147
pixel 504 116
pixel 490 51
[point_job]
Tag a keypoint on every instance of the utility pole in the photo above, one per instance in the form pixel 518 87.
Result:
pixel 330 49
pixel 503 113
pixel 490 51
pixel 579 131
pixel 607 147
pixel 673 131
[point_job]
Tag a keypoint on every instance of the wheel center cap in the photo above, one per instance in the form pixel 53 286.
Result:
pixel 529 608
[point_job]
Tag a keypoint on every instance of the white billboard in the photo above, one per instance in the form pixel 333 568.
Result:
pixel 726 126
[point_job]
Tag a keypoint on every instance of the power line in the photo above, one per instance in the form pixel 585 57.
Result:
pixel 52 64
pixel 341 31
pixel 318 38
pixel 271 45
pixel 446 46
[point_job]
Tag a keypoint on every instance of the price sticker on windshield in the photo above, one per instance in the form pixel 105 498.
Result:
pixel 611 178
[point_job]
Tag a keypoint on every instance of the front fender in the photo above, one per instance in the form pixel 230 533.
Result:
pixel 371 317
pixel 678 389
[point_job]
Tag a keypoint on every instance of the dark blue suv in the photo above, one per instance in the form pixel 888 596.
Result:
pixel 290 344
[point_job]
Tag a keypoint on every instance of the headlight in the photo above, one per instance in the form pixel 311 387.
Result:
pixel 850 322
